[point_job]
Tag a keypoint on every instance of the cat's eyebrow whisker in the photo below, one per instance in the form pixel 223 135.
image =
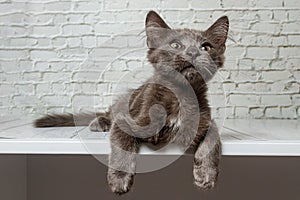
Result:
pixel 143 31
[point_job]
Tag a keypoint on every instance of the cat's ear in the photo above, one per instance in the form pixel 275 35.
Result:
pixel 156 29
pixel 154 20
pixel 218 32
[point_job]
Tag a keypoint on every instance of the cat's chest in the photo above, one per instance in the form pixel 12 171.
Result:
pixel 174 123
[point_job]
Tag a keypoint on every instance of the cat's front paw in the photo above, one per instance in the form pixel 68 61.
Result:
pixel 205 178
pixel 119 182
pixel 99 125
pixel 191 75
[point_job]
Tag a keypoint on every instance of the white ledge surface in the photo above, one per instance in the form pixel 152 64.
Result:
pixel 239 138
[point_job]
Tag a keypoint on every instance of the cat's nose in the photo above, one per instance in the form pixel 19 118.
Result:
pixel 193 52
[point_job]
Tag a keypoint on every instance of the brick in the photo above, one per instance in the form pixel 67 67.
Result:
pixel 42 54
pixel 123 16
pixel 25 89
pixel 261 52
pixel 245 87
pixel 56 100
pixel 276 100
pixel 74 42
pixel 232 3
pixel 276 75
pixel 174 4
pixel 75 18
pixel 264 40
pixel 89 42
pixel 266 27
pixel 58 6
pixel 280 15
pixel 296 99
pixel 104 28
pixel 31 76
pixel 294 40
pixel 46 30
pixel 41 19
pixel 79 29
pixel 242 100
pixel 88 6
pixel 268 3
pixel 15 31
pixel 296 74
pixel 44 43
pixel 241 112
pixel 293 63
pixel 25 65
pixel 202 4
pixel 257 112
pixel 277 86
pixel 43 88
pixel 266 15
pixel 279 64
pixel 293 15
pixel 28 100
pixel 116 4
pixel 99 53
pixel 145 4
pixel 48 66
pixel 56 77
pixel 280 41
pixel 261 87
pixel 6 89
pixel 291 3
pixel 247 39
pixel 75 52
pixel 22 42
pixel 87 76
pixel 289 112
pixel 217 100
pixel 59 42
pixel 9 66
pixel 89 88
pixel 273 112
pixel 290 27
pixel 81 100
pixel 113 76
pixel 289 52
pixel 13 54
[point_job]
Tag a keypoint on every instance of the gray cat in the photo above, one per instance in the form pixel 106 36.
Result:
pixel 169 107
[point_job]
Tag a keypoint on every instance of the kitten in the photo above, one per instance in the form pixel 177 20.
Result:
pixel 169 107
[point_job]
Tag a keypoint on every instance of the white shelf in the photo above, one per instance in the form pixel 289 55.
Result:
pixel 239 138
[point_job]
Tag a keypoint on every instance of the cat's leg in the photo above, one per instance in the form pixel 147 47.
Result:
pixel 207 158
pixel 101 123
pixel 122 160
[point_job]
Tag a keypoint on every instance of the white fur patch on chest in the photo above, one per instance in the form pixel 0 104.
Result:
pixel 175 123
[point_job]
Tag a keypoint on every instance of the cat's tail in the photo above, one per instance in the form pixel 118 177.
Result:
pixel 59 120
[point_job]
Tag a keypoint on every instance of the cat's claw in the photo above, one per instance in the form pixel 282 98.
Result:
pixel 119 182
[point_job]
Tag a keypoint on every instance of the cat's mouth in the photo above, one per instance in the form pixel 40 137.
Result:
pixel 186 65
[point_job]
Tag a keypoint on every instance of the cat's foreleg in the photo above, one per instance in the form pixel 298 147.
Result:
pixel 207 159
pixel 122 160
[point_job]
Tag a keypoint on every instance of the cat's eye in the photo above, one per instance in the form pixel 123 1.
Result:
pixel 206 47
pixel 175 45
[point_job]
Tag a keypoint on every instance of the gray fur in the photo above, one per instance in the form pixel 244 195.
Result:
pixel 169 107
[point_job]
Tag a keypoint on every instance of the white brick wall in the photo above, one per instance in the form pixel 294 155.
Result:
pixel 54 53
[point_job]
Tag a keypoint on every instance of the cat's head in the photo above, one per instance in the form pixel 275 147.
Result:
pixel 185 50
